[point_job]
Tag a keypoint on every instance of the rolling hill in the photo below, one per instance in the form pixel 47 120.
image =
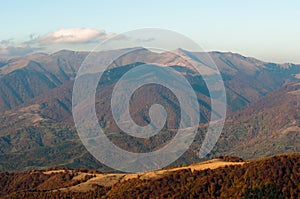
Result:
pixel 273 177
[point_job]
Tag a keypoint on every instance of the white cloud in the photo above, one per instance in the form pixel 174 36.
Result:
pixel 17 50
pixel 67 38
pixel 74 35
pixel 8 48
pixel 6 42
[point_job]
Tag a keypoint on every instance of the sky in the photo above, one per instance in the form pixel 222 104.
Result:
pixel 267 30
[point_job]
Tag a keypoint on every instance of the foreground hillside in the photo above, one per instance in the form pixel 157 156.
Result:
pixel 274 177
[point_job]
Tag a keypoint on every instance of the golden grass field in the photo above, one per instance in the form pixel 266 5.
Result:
pixel 113 178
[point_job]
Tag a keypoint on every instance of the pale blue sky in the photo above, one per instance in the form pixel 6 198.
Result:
pixel 268 30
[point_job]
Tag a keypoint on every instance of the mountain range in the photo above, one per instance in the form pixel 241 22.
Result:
pixel 37 128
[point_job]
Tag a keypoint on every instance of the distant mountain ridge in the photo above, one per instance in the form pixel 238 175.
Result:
pixel 247 79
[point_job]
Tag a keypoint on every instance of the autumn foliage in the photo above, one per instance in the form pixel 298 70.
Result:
pixel 275 177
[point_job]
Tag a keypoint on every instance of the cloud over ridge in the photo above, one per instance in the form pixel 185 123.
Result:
pixel 54 41
pixel 73 35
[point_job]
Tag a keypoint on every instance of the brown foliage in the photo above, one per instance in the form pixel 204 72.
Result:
pixel 275 177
